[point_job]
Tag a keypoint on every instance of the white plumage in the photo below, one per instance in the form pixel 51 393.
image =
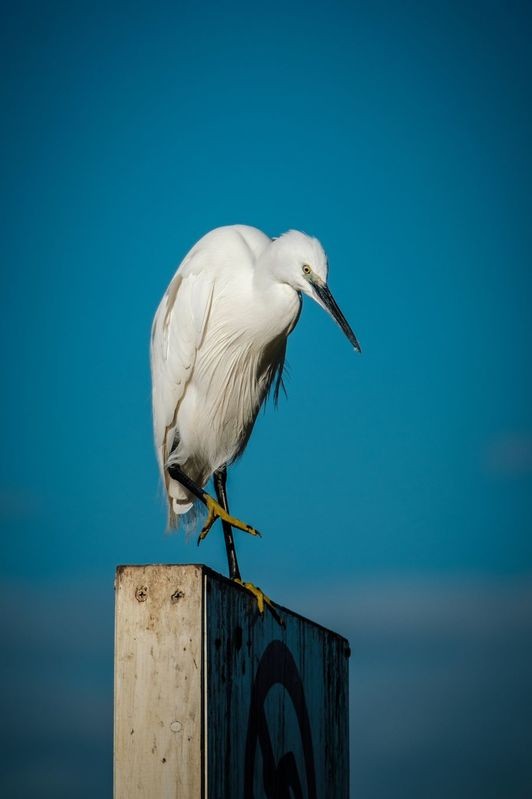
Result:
pixel 219 342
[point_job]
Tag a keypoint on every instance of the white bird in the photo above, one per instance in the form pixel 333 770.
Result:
pixel 218 348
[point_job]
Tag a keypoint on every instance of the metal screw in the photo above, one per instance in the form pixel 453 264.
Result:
pixel 141 593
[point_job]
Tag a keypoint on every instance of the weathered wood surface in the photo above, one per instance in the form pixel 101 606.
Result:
pixel 158 682
pixel 261 709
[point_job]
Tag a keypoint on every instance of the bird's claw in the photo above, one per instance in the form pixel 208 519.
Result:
pixel 216 511
pixel 262 600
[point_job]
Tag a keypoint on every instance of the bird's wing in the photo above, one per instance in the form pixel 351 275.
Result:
pixel 177 333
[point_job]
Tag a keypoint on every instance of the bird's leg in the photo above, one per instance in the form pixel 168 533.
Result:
pixel 221 509
pixel 220 482
pixel 215 510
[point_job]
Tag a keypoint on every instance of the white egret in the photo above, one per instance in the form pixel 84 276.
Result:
pixel 218 348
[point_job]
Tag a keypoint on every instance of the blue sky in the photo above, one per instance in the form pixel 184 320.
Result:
pixel 397 133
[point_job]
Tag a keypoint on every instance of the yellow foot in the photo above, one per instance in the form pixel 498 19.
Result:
pixel 216 511
pixel 262 600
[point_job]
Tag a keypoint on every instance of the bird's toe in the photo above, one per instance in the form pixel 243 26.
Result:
pixel 263 601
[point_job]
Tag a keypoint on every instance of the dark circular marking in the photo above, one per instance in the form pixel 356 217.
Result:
pixel 281 780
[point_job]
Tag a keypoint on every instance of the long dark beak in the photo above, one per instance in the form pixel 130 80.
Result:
pixel 329 303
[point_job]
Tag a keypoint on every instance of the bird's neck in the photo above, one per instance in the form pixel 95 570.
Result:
pixel 280 299
pixel 268 271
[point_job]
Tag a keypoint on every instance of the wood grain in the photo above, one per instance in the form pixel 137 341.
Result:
pixel 158 682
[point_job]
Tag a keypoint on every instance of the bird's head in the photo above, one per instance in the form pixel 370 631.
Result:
pixel 301 262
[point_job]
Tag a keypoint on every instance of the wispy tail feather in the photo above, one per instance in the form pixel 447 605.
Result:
pixel 187 517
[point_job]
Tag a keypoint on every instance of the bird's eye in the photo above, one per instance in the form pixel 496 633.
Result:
pixel 306 269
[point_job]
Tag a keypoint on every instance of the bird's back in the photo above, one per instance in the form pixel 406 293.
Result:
pixel 226 250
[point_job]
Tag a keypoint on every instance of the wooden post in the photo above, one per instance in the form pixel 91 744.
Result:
pixel 215 701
